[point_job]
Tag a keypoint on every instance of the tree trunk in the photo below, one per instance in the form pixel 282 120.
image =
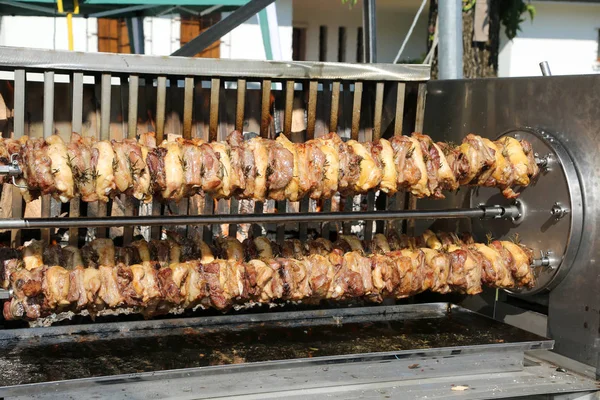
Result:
pixel 480 59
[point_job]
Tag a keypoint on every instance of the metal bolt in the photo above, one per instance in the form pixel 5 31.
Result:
pixel 558 211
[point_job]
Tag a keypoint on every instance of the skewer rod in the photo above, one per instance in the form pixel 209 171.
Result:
pixel 479 212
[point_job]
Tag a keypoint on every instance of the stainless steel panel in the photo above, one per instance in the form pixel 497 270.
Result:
pixel 13 57
pixel 550 225
pixel 568 107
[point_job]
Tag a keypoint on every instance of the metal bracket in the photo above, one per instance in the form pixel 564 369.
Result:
pixel 545 260
pixel 512 212
pixel 558 211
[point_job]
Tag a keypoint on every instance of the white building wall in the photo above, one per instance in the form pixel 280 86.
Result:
pixel 393 21
pixel 564 34
pixel 245 41
pixel 48 32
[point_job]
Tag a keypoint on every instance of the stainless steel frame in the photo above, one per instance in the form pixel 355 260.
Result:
pixel 567 107
pixel 378 101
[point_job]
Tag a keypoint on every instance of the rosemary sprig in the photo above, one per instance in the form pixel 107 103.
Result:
pixel 270 171
pixel 115 164
pixel 183 162
pixel 247 171
pixel 489 238
pixel 516 238
pixel 410 152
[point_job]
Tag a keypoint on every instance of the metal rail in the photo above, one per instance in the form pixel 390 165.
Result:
pixel 491 212
pixel 69 62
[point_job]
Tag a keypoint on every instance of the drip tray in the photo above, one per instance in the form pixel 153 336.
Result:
pixel 374 343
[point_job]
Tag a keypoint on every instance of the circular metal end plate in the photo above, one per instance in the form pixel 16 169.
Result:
pixel 552 211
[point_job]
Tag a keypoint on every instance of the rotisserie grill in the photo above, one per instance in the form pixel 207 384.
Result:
pixel 155 209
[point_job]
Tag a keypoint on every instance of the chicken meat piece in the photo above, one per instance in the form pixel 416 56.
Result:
pixel 80 152
pixel 123 165
pixel 61 160
pixel 230 248
pixel 383 154
pixel 370 174
pixel 33 254
pixel 495 271
pixel 291 190
pixel 103 158
pixel 465 272
pixel 330 167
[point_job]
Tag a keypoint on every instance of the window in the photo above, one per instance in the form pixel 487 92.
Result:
pixel 192 26
pixel 299 44
pixel 359 46
pixel 341 44
pixel 322 43
pixel 113 36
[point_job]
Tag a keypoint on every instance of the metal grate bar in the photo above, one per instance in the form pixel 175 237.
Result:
pixel 412 200
pixel 373 135
pixel 13 57
pixel 282 206
pixel 48 130
pixel 354 130
pixel 289 108
pixel 335 106
pixel 234 205
pixel 188 106
pixel 105 103
pixel 129 202
pixel 132 116
pixel 213 128
pixel 311 113
pixel 161 105
pixel 76 124
pixel 18 131
pixel 377 133
pixel 398 201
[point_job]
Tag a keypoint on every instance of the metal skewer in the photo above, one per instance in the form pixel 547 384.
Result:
pixel 487 212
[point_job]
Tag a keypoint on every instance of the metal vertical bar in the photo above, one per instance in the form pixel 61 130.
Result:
pixel 311 112
pixel 234 205
pixel 161 105
pixel 105 100
pixel 369 31
pixel 289 108
pixel 287 130
pixel 131 204
pixel 132 109
pixel 188 106
pixel 76 123
pixel 412 201
pixel 335 106
pixel 398 201
pixel 356 105
pixel 374 135
pixel 450 49
pixel 105 107
pixel 265 122
pixel 48 130
pixel 213 133
pixel 265 113
pixel 240 105
pixel 399 109
pixel 213 128
pixel 18 131
pixel 312 109
pixel 356 108
pixel 379 90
